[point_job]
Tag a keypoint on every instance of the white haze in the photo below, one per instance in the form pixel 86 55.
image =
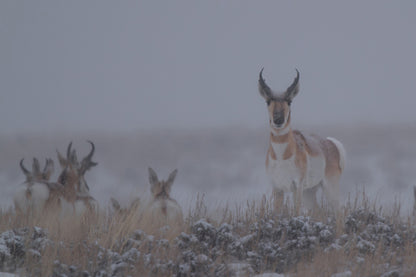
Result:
pixel 226 165
pixel 174 85
pixel 129 65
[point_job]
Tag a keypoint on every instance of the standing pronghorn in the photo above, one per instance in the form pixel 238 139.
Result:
pixel 295 161
pixel 32 195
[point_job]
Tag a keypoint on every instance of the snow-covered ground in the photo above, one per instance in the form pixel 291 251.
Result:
pixel 368 243
pixel 224 165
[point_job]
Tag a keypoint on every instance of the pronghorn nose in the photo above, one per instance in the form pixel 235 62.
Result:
pixel 278 120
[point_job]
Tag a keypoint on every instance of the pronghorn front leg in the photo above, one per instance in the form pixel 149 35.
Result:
pixel 297 196
pixel 278 198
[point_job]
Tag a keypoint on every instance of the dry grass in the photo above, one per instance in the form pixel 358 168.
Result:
pixel 79 240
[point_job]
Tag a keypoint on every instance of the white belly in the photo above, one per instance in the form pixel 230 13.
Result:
pixel 315 173
pixel 284 174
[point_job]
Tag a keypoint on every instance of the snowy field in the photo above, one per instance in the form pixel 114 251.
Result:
pixel 224 165
pixel 227 167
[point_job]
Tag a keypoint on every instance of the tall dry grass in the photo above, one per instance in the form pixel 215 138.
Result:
pixel 78 240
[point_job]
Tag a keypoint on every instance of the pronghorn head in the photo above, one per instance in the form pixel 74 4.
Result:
pixel 36 174
pixel 73 172
pixel 161 189
pixel 278 104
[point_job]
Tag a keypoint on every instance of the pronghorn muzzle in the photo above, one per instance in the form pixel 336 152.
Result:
pixel 279 118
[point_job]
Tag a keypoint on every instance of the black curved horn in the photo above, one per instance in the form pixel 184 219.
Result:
pixel 87 163
pixel 295 83
pixel 68 151
pixel 265 90
pixel 25 171
pixel 89 156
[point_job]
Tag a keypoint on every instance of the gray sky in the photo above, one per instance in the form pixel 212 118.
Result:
pixel 128 65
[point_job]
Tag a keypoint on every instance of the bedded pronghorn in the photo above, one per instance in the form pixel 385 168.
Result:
pixel 295 161
pixel 68 196
pixel 32 195
pixel 75 198
pixel 162 209
pixel 124 212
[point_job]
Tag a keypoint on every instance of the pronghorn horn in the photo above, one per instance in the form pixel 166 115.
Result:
pixel 88 158
pixel 87 163
pixel 293 89
pixel 35 167
pixel 68 151
pixel 46 165
pixel 48 170
pixel 25 171
pixel 264 89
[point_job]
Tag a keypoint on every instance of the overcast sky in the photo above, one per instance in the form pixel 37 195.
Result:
pixel 131 65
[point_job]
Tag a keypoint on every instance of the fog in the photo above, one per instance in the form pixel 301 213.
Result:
pixel 180 78
pixel 108 65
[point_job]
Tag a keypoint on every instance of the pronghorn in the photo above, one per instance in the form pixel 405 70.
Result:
pixel 32 195
pixel 75 198
pixel 123 212
pixel 162 210
pixel 295 161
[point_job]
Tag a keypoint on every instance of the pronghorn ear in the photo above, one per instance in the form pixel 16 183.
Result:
pixel 115 204
pixel 62 179
pixel 74 159
pixel 172 177
pixel 48 170
pixel 62 161
pixel 135 204
pixel 153 177
pixel 264 89
pixel 293 89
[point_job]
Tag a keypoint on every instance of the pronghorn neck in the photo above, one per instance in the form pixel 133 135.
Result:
pixel 281 135
pixel 282 144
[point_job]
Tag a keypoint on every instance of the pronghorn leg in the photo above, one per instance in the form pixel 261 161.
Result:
pixel 297 197
pixel 278 198
pixel 309 197
pixel 331 190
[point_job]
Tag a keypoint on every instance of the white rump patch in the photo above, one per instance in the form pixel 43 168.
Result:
pixel 341 150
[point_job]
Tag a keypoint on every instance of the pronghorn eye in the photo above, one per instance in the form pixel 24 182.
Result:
pixel 268 102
